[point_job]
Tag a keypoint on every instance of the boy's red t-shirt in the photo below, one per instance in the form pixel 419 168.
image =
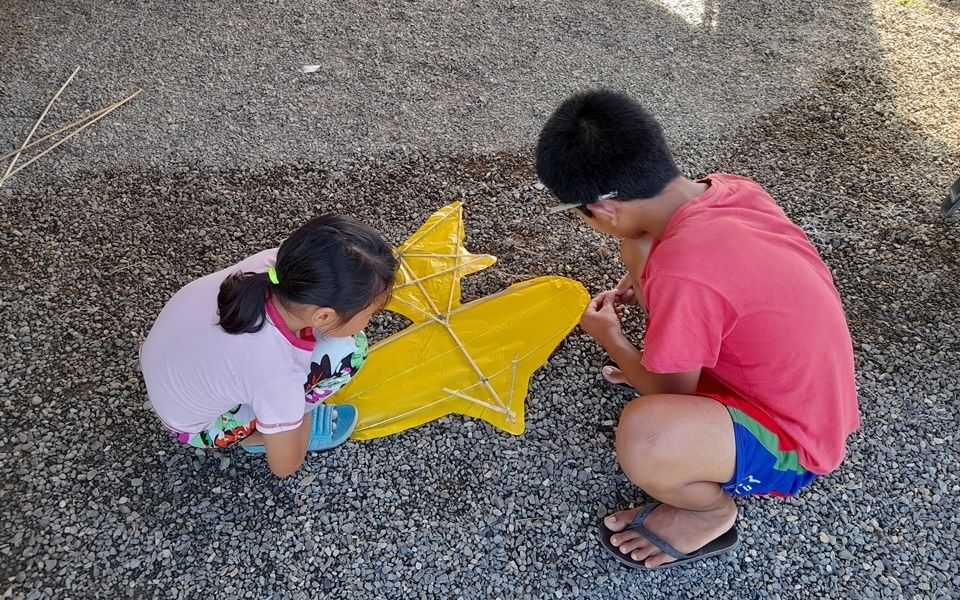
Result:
pixel 737 289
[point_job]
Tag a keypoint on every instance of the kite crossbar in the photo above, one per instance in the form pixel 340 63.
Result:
pixel 499 409
pixel 513 380
pixel 438 273
pixel 428 255
pixel 409 272
pixel 456 265
pixel 427 314
pixel 476 368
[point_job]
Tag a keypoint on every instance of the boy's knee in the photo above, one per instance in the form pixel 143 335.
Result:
pixel 647 446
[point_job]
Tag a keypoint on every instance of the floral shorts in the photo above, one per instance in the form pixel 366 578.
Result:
pixel 333 364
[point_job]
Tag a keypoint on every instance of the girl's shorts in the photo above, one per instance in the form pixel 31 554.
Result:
pixel 767 460
pixel 227 429
pixel 321 382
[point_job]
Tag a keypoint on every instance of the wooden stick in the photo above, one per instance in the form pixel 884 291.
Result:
pixel 456 265
pixel 426 255
pixel 423 290
pixel 37 124
pixel 476 401
pixel 40 140
pixel 483 378
pixel 437 273
pixel 112 108
pixel 430 316
pixel 403 414
pixel 513 380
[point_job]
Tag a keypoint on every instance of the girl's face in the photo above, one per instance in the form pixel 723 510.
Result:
pixel 359 321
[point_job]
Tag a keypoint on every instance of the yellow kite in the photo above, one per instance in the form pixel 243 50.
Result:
pixel 474 359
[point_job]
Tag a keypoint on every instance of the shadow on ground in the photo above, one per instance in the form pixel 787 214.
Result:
pixel 96 498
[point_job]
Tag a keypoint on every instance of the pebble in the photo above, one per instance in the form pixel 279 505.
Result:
pixel 229 150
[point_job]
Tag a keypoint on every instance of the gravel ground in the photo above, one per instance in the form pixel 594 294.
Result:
pixel 835 109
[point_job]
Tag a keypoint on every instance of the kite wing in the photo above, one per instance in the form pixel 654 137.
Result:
pixel 474 359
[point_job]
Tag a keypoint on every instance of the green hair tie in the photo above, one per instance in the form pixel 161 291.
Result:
pixel 272 274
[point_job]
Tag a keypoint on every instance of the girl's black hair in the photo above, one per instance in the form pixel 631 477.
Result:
pixel 332 261
pixel 601 141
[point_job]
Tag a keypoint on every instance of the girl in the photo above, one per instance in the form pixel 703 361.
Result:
pixel 249 352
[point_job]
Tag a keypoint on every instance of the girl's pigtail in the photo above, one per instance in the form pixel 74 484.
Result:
pixel 241 302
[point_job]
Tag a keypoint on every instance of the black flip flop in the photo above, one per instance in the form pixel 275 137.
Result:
pixel 952 201
pixel 726 542
pixel 608 362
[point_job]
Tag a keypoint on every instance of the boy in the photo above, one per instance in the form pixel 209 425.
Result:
pixel 747 365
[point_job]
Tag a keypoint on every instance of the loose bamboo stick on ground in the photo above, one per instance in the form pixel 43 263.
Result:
pixel 111 108
pixel 37 124
pixel 40 140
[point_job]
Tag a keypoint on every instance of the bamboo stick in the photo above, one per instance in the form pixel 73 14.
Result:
pixel 403 414
pixel 456 265
pixel 37 124
pixel 408 272
pixel 487 405
pixel 427 255
pixel 513 381
pixel 40 140
pixel 437 273
pixel 112 107
pixel 483 378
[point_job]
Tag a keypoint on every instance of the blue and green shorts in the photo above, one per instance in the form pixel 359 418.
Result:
pixel 767 458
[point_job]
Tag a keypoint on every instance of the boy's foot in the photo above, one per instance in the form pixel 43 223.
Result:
pixel 686 531
pixel 614 376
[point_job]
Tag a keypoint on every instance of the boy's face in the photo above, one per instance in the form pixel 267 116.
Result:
pixel 595 224
pixel 613 218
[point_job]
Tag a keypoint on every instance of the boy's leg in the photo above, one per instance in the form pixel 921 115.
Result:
pixel 678 449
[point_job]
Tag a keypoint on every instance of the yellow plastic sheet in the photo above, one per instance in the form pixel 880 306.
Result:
pixel 474 359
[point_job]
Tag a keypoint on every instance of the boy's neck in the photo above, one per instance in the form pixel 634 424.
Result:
pixel 654 214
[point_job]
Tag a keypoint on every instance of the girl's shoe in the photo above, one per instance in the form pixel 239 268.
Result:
pixel 322 434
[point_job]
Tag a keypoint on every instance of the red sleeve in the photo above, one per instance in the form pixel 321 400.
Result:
pixel 686 324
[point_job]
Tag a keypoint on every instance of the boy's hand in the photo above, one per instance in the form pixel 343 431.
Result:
pixel 600 319
pixel 628 291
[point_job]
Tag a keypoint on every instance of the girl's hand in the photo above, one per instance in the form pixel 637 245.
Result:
pixel 286 450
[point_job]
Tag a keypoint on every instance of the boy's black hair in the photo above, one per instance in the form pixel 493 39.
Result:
pixel 331 261
pixel 601 141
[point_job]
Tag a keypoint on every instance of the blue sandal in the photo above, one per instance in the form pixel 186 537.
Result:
pixel 725 542
pixel 322 434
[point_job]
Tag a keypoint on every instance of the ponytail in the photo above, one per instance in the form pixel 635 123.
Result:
pixel 241 302
pixel 331 261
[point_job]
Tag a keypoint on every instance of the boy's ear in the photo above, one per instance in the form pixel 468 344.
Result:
pixel 606 211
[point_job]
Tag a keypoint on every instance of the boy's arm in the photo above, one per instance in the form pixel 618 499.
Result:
pixel 628 358
pixel 601 322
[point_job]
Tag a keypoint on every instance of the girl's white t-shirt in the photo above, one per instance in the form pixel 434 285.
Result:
pixel 195 371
